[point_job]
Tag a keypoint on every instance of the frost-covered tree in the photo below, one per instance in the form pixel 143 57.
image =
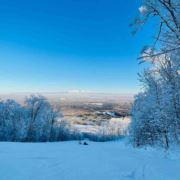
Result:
pixel 158 107
pixel 166 13
pixel 35 121
pixel 146 112
pixel 156 111
pixel 41 118
pixel 12 124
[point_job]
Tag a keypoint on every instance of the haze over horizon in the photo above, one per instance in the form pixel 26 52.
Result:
pixel 55 46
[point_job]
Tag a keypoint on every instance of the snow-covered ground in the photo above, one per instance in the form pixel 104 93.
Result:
pixel 97 161
pixel 114 123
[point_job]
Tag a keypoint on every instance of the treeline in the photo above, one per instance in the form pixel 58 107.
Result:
pixel 35 121
pixel 156 110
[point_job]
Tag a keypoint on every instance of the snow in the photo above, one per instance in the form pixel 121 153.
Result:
pixel 115 123
pixel 143 10
pixel 97 161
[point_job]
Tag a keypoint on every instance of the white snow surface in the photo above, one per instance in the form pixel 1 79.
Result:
pixel 97 161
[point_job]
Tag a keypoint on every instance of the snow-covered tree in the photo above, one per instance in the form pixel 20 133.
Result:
pixel 166 13
pixel 36 121
pixel 12 121
pixel 156 111
pixel 41 118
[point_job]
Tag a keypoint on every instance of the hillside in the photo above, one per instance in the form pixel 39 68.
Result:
pixel 97 161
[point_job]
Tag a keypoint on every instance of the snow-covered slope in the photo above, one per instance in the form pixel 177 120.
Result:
pixel 97 161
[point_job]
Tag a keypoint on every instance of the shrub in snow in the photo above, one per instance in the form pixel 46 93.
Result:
pixel 64 131
pixel 108 132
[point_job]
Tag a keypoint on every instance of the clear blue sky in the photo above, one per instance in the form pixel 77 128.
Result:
pixel 59 45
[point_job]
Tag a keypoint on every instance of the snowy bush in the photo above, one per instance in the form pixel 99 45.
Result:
pixel 63 131
pixel 108 132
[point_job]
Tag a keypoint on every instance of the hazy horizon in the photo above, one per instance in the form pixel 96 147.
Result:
pixel 68 91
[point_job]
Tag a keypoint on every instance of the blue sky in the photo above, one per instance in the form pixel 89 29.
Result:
pixel 61 45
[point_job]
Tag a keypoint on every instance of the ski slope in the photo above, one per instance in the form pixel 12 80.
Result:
pixel 97 161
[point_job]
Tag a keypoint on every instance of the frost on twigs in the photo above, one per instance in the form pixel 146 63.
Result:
pixel 143 10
